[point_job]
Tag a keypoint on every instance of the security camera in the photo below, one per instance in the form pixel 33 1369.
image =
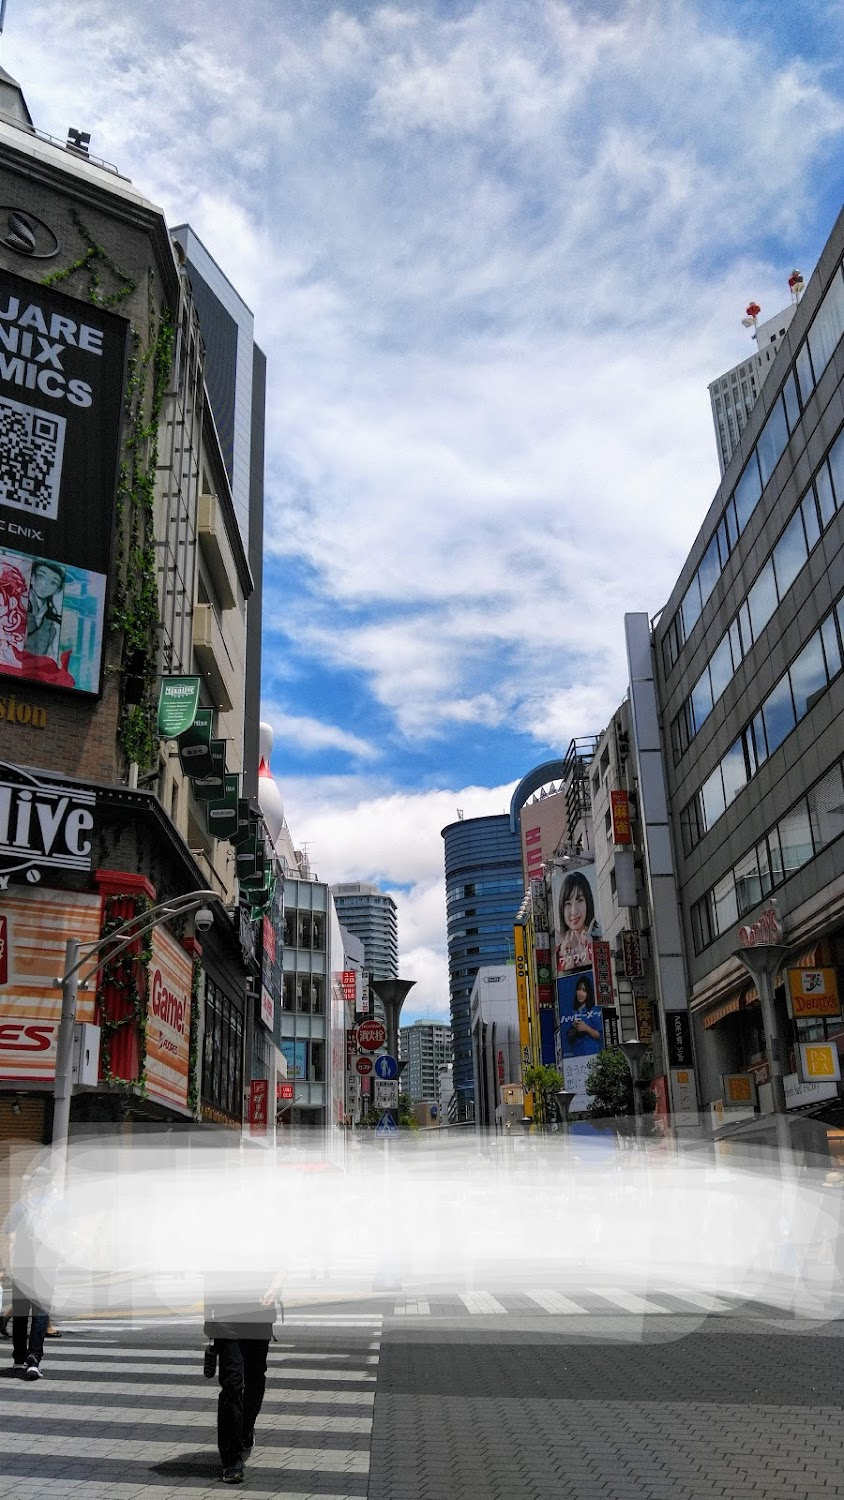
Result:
pixel 204 919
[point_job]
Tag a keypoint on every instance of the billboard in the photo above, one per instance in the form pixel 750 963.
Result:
pixel 62 369
pixel 295 1054
pixel 581 1032
pixel 574 917
pixel 37 926
pixel 168 1020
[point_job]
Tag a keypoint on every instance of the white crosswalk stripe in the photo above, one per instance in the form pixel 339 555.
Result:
pixel 104 1409
pixel 482 1302
pixel 555 1302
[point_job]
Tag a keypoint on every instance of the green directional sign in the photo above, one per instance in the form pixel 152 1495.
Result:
pixel 195 745
pixel 222 812
pixel 207 788
pixel 178 700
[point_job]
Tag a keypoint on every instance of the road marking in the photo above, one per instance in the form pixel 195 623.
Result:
pixel 482 1302
pixel 555 1302
pixel 415 1307
pixel 630 1301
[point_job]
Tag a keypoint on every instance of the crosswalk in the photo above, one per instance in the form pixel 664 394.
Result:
pixel 133 1420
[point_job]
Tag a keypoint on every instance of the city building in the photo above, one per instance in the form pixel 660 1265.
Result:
pixel 746 679
pixel 370 914
pixel 122 568
pixel 484 888
pixel 235 372
pixel 733 395
pixel 426 1048
pixel 496 1059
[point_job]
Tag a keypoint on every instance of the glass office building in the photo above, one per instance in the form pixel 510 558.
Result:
pixel 484 890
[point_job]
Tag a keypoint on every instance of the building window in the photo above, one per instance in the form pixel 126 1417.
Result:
pixel 222 1063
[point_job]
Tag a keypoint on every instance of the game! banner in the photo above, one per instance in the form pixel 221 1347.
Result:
pixel 62 369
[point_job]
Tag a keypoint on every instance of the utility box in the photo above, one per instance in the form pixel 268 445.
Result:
pixel 86 1054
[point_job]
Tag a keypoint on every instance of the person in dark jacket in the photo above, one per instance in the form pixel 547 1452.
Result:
pixel 239 1318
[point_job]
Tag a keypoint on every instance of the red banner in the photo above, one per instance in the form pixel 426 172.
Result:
pixel 602 973
pixel 620 812
pixel 258 1090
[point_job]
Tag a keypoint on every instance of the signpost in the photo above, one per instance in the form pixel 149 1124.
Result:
pixel 363 1065
pixel 386 1066
pixel 370 1035
pixel 386 1127
pixel 386 1094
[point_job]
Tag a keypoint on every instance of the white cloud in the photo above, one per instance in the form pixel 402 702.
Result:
pixel 306 734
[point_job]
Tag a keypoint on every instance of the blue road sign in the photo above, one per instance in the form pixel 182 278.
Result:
pixel 386 1066
pixel 386 1126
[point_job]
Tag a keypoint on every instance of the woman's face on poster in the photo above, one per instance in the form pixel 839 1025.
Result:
pixel 574 911
pixel 581 995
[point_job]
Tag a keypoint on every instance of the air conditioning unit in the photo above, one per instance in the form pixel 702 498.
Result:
pixel 86 1054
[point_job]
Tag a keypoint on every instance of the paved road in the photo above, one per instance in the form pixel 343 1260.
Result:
pixel 460 1402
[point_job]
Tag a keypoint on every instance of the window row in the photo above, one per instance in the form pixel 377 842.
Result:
pixel 788 702
pixel 483 888
pixel 812 359
pixel 304 929
pixel 304 992
pixel 813 823
pixel 819 504
pixel 305 1058
pixel 222 1059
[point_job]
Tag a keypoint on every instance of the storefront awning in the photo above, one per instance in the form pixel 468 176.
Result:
pixel 726 1008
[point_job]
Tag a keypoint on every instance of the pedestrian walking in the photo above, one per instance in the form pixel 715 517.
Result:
pixel 239 1321
pixel 31 1264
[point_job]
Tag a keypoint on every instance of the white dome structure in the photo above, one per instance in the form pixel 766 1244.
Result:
pixel 269 796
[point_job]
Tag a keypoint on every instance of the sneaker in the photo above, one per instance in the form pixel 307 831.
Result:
pixel 233 1474
pixel 32 1370
pixel 4 1326
pixel 19 1371
pixel 248 1445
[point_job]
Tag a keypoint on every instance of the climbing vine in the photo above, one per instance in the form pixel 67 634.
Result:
pixel 135 606
pixel 119 990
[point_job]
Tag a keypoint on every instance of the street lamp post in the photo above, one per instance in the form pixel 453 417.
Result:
pixel 93 956
pixel 564 1099
pixel 635 1051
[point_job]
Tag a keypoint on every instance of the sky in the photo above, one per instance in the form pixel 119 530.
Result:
pixel 495 251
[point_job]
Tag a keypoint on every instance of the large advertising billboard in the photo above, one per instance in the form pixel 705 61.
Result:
pixel 580 1020
pixel 168 1021
pixel 36 927
pixel 62 369
pixel 574 916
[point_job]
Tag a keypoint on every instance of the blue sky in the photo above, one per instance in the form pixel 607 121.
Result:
pixel 495 254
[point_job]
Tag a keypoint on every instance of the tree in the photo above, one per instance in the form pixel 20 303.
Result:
pixel 544 1083
pixel 610 1084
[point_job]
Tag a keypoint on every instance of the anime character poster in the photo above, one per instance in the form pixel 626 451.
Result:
pixel 51 621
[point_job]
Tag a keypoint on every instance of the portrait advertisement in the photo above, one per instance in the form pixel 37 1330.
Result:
pixel 574 917
pixel 581 1032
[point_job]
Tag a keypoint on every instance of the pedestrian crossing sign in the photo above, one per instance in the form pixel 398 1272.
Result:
pixel 386 1125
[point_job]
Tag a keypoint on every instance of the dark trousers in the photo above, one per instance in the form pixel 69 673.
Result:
pixel 243 1369
pixel 29 1325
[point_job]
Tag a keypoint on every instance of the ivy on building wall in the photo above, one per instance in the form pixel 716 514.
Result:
pixel 119 990
pixel 135 606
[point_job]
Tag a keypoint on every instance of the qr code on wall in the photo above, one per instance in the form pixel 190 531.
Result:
pixel 31 452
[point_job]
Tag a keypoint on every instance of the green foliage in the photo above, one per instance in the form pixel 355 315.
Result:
pixel 610 1083
pixel 406 1118
pixel 135 607
pixel 544 1083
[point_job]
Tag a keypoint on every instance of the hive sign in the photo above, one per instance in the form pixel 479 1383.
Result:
pixel 386 1066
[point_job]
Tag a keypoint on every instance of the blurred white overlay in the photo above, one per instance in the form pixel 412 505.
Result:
pixel 143 1227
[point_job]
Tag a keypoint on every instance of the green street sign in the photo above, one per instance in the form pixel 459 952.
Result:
pixel 195 745
pixel 222 813
pixel 206 788
pixel 178 700
pixel 246 823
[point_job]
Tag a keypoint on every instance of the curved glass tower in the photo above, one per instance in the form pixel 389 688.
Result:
pixel 484 888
